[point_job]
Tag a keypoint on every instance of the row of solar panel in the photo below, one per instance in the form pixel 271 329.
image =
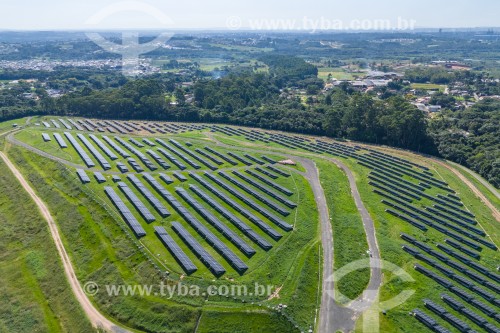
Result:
pixel 457 291
pixel 451 274
pixel 477 278
pixel 215 242
pixel 282 224
pixel 178 153
pixel 125 212
pixel 416 214
pixel 256 195
pixel 224 157
pixel 216 223
pixel 104 163
pixel 243 211
pixel 270 182
pixel 172 158
pixel 249 232
pixel 193 155
pixel 266 190
pixel 159 207
pixel 85 157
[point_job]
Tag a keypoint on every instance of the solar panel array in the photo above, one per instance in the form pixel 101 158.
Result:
pixel 210 157
pixel 99 177
pixel 266 190
pixel 125 212
pixel 216 223
pixel 256 194
pixel 249 232
pixel 239 158
pixel 243 211
pixel 202 254
pixel 137 153
pixel 103 147
pixel 276 220
pixel 83 176
pixel 104 163
pixel 160 208
pixel 172 159
pixel 224 157
pixel 65 124
pixel 136 202
pixel 180 176
pixel 85 157
pixel 278 171
pixel 267 173
pixel 193 155
pixel 60 140
pixel 46 137
pixel 117 148
pixel 175 250
pixel 158 159
pixel 215 242
pixel 270 182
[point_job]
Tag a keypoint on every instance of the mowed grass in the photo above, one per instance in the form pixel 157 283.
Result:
pixel 35 295
pixel 349 237
pixel 428 86
pixel 336 73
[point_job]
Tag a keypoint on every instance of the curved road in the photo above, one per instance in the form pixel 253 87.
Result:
pixel 96 318
pixel 334 317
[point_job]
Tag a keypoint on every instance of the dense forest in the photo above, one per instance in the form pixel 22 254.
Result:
pixel 471 137
pixel 467 136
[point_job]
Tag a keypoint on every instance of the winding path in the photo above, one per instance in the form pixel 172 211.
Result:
pixel 334 317
pixel 96 318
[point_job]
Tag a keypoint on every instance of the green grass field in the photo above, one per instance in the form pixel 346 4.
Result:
pixel 35 297
pixel 428 86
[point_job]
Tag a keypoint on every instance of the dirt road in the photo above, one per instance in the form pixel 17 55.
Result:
pixel 95 317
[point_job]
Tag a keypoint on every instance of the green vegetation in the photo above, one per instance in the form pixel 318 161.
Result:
pixel 34 293
pixel 470 137
pixel 349 238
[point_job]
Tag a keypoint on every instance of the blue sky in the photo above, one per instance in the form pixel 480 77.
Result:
pixel 197 14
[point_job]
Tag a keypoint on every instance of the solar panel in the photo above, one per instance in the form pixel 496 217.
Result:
pixel 104 163
pixel 267 173
pixel 266 190
pixel 216 223
pixel 117 148
pixel 137 153
pixel 278 171
pixel 256 194
pixel 213 240
pixel 193 155
pixel 60 140
pixel 46 137
pixel 179 255
pixel 103 147
pixel 198 249
pixel 232 218
pixel 270 183
pixel 99 177
pixel 83 176
pixel 125 212
pixel 172 158
pixel 136 202
pixel 160 208
pixel 254 219
pixel 276 220
pixel 224 157
pixel 85 157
